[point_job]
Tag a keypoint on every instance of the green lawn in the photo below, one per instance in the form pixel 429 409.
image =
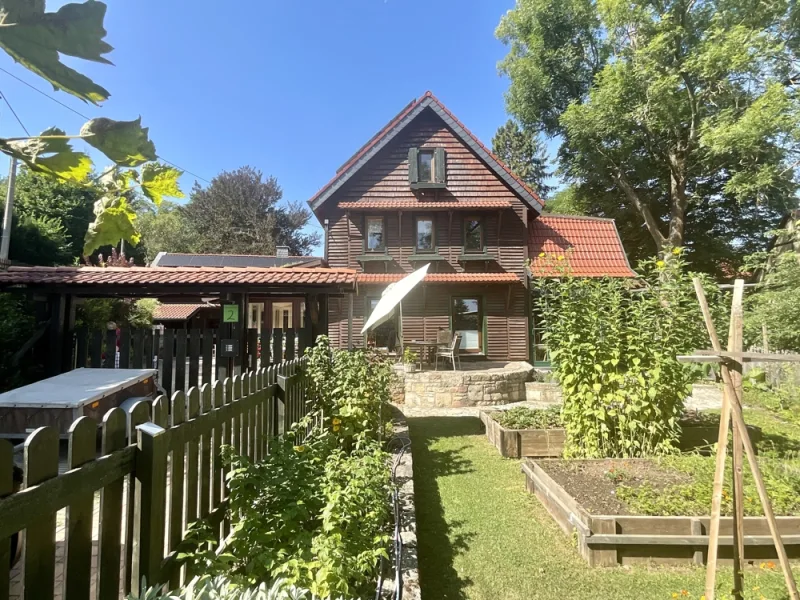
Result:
pixel 483 537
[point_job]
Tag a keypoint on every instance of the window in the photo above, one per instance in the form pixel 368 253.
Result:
pixel 302 315
pixel 281 315
pixel 425 234
pixel 467 319
pixel 375 235
pixel 425 166
pixel 473 234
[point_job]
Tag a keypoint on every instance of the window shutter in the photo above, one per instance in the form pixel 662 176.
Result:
pixel 413 165
pixel 440 165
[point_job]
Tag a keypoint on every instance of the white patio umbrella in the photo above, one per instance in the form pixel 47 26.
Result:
pixel 392 297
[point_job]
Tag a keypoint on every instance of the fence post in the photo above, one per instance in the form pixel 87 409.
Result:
pixel 150 517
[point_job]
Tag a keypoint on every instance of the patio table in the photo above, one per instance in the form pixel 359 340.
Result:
pixel 427 349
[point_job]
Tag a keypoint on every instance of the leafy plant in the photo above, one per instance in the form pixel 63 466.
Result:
pixel 614 345
pixel 409 356
pixel 221 588
pixel 774 306
pixel 36 39
pixel 691 494
pixel 523 417
pixel 315 511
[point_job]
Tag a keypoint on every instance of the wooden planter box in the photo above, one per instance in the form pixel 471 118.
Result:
pixel 549 443
pixel 610 540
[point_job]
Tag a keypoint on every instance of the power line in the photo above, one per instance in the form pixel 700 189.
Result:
pixel 13 112
pixel 80 114
pixel 83 116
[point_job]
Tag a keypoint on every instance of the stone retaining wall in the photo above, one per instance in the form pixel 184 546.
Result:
pixel 485 387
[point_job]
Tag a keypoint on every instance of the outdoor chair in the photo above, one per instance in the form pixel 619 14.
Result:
pixel 450 352
pixel 443 338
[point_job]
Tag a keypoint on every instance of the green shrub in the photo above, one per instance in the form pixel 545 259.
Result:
pixel 693 496
pixel 221 588
pixel 613 343
pixel 315 512
pixel 523 417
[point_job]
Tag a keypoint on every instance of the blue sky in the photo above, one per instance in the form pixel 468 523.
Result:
pixel 292 88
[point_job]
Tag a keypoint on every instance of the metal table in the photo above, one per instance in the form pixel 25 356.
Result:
pixel 426 348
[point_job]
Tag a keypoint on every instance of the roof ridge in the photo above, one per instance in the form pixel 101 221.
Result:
pixel 582 217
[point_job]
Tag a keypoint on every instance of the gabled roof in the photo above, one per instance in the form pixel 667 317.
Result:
pixel 479 204
pixel 441 277
pixel 590 244
pixel 173 276
pixel 178 259
pixel 177 312
pixel 398 124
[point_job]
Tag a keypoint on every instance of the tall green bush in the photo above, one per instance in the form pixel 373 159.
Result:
pixel 315 512
pixel 613 343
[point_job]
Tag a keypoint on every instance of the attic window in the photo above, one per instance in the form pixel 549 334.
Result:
pixel 427 168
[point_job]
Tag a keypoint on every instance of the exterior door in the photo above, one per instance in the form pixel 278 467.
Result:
pixel 467 319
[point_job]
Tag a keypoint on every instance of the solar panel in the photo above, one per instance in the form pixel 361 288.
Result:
pixel 228 260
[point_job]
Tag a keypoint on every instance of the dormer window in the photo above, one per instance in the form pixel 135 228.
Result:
pixel 427 168
pixel 425 162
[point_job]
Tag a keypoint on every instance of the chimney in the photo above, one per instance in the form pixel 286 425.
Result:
pixel 282 251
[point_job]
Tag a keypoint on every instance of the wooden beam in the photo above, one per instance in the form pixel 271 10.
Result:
pixel 751 356
pixel 722 450
pixel 635 539
pixel 735 342
pixel 736 409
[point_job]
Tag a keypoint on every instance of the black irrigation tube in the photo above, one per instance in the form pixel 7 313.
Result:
pixel 397 541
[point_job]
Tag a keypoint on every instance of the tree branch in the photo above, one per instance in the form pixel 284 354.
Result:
pixel 649 220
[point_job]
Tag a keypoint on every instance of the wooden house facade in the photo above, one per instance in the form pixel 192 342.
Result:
pixel 426 190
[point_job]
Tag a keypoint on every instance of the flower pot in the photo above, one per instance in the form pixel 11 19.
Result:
pixel 410 367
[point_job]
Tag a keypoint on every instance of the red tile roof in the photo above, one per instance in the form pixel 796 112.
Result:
pixel 365 278
pixel 429 98
pixel 593 246
pixel 417 205
pixel 176 312
pixel 174 276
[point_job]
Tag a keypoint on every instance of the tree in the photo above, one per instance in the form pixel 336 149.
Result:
pixel 37 39
pixel 165 228
pixel 681 113
pixel 240 213
pixel 38 196
pixel 524 154
pixel 37 240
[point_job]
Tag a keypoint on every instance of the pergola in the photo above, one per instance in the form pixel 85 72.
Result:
pixel 58 291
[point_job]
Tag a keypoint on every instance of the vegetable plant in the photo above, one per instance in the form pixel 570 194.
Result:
pixel 614 344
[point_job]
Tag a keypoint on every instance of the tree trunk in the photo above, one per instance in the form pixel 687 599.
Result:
pixel 678 201
pixel 650 221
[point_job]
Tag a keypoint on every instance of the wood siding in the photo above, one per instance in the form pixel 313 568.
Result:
pixel 426 310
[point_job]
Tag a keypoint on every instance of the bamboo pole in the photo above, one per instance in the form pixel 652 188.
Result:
pixel 735 335
pixel 735 407
pixel 722 450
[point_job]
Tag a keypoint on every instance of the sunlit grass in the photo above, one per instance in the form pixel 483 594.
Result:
pixel 483 537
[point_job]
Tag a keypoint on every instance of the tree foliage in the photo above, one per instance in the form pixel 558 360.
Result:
pixel 775 305
pixel 241 213
pixel 165 228
pixel 680 115
pixel 524 154
pixel 36 39
pixel 614 351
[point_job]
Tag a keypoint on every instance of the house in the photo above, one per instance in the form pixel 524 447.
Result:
pixel 263 313
pixel 424 189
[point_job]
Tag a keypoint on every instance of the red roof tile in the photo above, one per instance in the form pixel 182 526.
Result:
pixel 595 249
pixel 174 276
pixel 417 205
pixel 427 96
pixel 176 312
pixel 365 278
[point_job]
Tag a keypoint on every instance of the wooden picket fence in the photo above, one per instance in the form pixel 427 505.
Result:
pixel 184 357
pixel 157 471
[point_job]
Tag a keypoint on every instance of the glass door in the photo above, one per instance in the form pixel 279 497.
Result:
pixel 467 318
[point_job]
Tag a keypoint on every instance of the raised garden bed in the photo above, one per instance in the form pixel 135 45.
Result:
pixel 698 432
pixel 586 499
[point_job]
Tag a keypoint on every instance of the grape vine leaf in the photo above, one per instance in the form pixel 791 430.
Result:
pixel 35 38
pixel 113 222
pixel 50 155
pixel 124 142
pixel 160 180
